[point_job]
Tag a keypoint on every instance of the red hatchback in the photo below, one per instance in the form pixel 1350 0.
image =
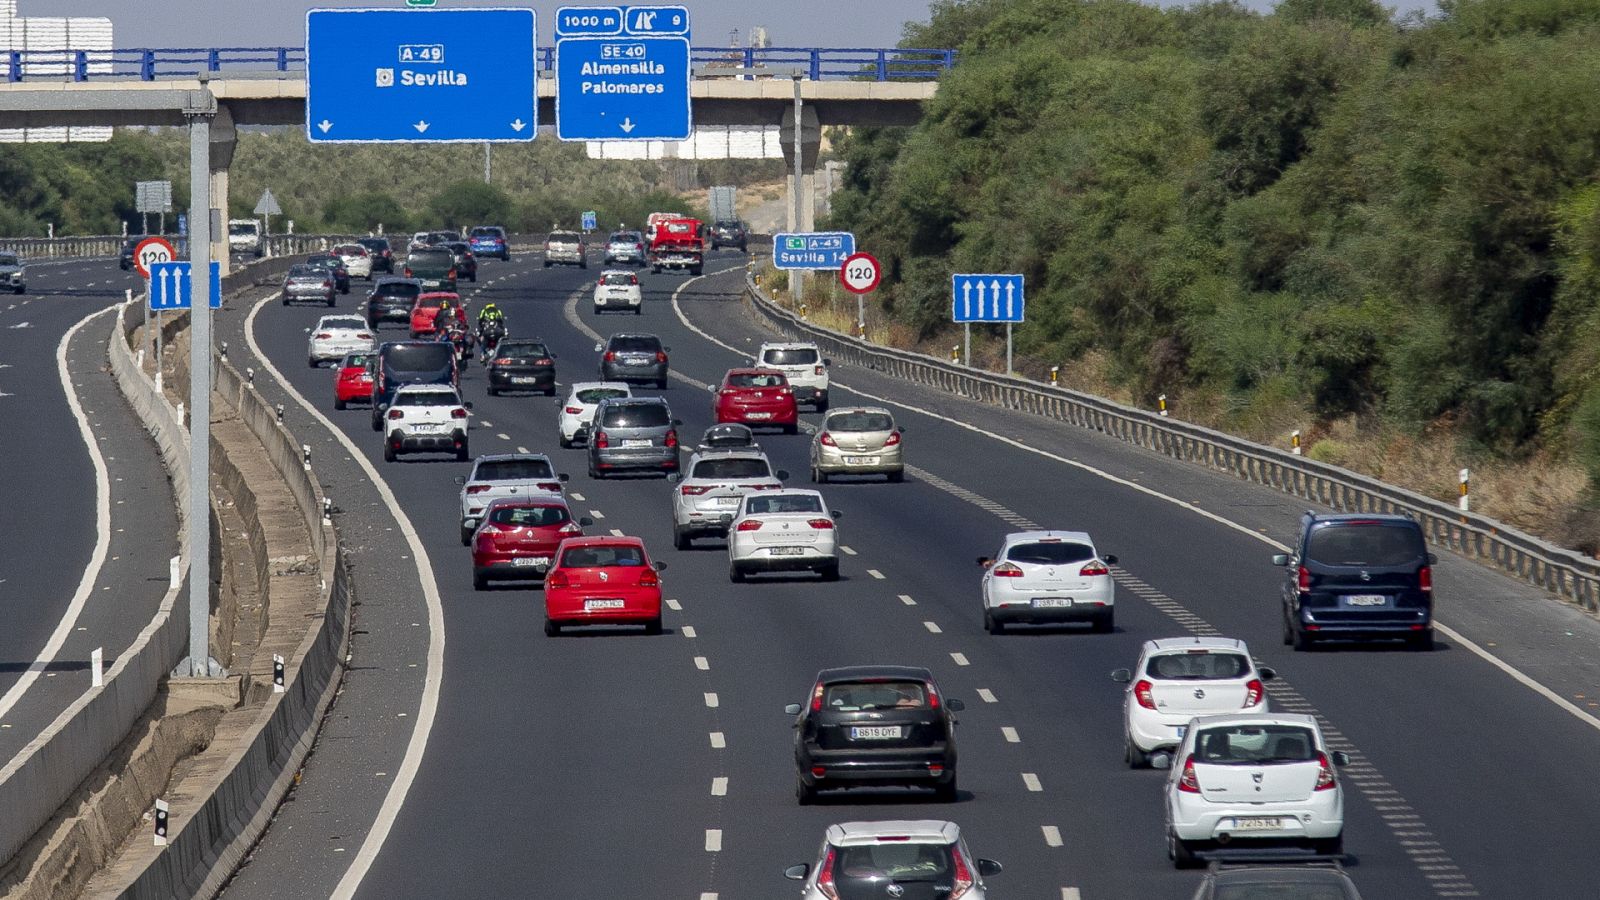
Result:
pixel 353 383
pixel 757 397
pixel 425 312
pixel 603 581
pixel 519 538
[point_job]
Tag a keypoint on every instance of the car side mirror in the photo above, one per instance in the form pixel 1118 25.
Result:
pixel 308 331
pixel 585 522
pixel 599 347
pixel 985 562
pixel 666 349
pixel 1266 673
pixel 1109 559
pixel 827 362
pixel 1280 559
pixel 677 423
pixel 783 474
pixel 712 388
pixel 793 709
pixel 660 566
pixel 797 873
pixel 461 479
pixel 988 867
pixel 955 705
pixel 674 478
pixel 900 429
pixel 1161 759
pixel 1433 559
pixel 1121 676
pixel 836 514
pixel 467 405
pixel 1340 758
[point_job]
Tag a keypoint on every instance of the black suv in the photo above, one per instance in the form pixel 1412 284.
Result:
pixel 381 252
pixel 391 299
pixel 633 358
pixel 868 726
pixel 1358 576
pixel 729 234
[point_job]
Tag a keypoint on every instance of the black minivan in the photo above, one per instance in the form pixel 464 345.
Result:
pixel 410 362
pixel 1358 576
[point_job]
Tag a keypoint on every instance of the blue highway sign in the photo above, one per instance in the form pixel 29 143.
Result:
pixel 455 75
pixel 589 221
pixel 812 250
pixel 170 287
pixel 986 298
pixel 623 73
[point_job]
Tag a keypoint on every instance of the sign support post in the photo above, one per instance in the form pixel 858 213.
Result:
pixel 966 337
pixel 860 274
pixel 1008 348
pixel 199 518
pixel 799 286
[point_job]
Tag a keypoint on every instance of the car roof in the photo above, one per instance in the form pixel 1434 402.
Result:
pixel 395 279
pixel 336 317
pixel 530 500
pixel 789 345
pixel 1347 518
pixel 1018 537
pixel 795 492
pixel 859 409
pixel 590 385
pixel 424 388
pixel 442 295
pixel 634 401
pixel 1200 722
pixel 502 457
pixel 853 673
pixel 1191 643
pixel 924 831
pixel 711 453
pixel 633 334
pixel 618 272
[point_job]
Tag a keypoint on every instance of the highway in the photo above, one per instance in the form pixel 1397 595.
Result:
pixel 615 765
pixel 90 530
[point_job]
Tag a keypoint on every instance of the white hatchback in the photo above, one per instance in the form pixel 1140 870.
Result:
pixel 1177 679
pixel 577 411
pixel 357 260
pixel 894 859
pixel 618 289
pixel 802 364
pixel 1043 577
pixel 1259 778
pixel 783 531
pixel 336 336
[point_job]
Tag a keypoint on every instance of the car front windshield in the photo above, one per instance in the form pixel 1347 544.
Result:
pixel 783 503
pixel 512 470
pixel 739 467
pixel 1201 666
pixel 860 421
pixel 529 516
pixel 895 863
pixel 1252 745
pixel 603 556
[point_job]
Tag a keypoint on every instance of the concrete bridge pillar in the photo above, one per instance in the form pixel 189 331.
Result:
pixel 810 145
pixel 224 139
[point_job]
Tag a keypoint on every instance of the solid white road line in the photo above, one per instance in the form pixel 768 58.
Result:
pixel 1070 893
pixel 719 786
pixel 102 528
pixel 428 708
pixel 1052 835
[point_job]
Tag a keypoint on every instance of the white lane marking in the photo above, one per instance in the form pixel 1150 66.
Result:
pixel 522 450
pixel 1032 782
pixel 718 742
pixel 1052 835
pixel 876 574
pixel 428 707
pixel 933 627
pixel 576 496
pixel 597 514
pixel 616 532
pixel 1071 893
pixel 1516 674
pixel 673 604
pixel 102 528
pixel 960 659
pixel 688 631
pixel 703 664
pixel 713 840
pixel 486 423
pixel 846 550
pixel 906 599
pixel 711 699
pixel 707 895
pixel 1011 735
pixel 503 436
pixel 987 695
pixel 719 786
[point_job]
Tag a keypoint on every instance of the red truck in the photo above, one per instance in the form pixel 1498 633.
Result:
pixel 678 243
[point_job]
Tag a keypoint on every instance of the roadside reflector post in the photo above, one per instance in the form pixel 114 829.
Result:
pixel 280 412
pixel 1055 374
pixel 305 456
pixel 1294 442
pixel 1161 403
pixel 955 353
pixel 1465 502
pixel 277 673
pixel 97 661
pixel 161 823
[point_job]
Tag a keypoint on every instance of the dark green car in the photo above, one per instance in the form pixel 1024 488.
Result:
pixel 435 267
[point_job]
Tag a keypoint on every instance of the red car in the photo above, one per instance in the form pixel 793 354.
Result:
pixel 602 581
pixel 425 312
pixel 353 383
pixel 519 537
pixel 757 397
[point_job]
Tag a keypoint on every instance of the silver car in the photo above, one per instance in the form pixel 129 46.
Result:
pixel 923 859
pixel 625 246
pixel 505 475
pixel 633 433
pixel 567 248
pixel 305 282
pixel 858 440
pixel 13 274
pixel 708 495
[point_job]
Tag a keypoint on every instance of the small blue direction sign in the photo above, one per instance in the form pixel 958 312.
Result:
pixel 589 222
pixel 812 250
pixel 623 73
pixel 986 298
pixel 376 75
pixel 170 287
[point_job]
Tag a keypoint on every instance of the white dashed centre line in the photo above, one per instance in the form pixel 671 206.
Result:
pixel 487 423
pixel 688 631
pixel 616 532
pixel 987 695
pixel 876 574
pixel 522 450
pixel 503 436
pixel 597 514
pixel 577 496
pixel 1071 894
pixel 673 604
pixel 1052 835
pixel 718 741
pixel 713 840
pixel 1011 734
pixel 906 599
pixel 719 786
pixel 960 659
pixel 846 550
pixel 933 627
pixel 703 664
pixel 1032 782
pixel 708 896
pixel 711 699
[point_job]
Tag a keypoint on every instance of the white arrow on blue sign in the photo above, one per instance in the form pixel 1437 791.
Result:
pixel 170 287
pixel 986 298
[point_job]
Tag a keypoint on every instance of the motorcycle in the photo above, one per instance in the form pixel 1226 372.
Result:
pixel 460 339
pixel 490 333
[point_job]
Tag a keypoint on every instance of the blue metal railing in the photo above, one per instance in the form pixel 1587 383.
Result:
pixel 151 64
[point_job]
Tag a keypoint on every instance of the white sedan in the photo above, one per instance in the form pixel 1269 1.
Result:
pixel 336 336
pixel 1042 577
pixel 783 531
pixel 577 411
pixel 1261 776
pixel 357 260
pixel 618 289
pixel 1177 679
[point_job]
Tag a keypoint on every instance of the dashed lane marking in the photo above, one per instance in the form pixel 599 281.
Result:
pixel 718 741
pixel 616 532
pixel 876 574
pixel 719 786
pixel 933 627
pixel 713 840
pixel 1052 835
pixel 1010 734
pixel 960 659
pixel 674 605
pixel 987 695
pixel 688 631
pixel 576 496
pixel 701 663
pixel 846 550
pixel 1031 781
pixel 906 599
pixel 597 514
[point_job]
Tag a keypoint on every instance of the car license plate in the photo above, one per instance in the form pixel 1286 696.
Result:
pixel 523 379
pixel 1258 823
pixel 727 501
pixel 874 732
pixel 426 429
pixel 1051 602
pixel 1366 600
pixel 531 562
pixel 592 605
pixel 861 460
pixel 636 442
pixel 762 416
pixel 787 551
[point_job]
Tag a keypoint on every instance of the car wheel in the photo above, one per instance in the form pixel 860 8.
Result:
pixel 804 794
pixel 653 627
pixel 1288 631
pixel 466 536
pixel 661 384
pixel 286 300
pixel 791 429
pixel 583 265
pixel 897 477
pixel 822 406
pixel 479 583
pixel 494 392
pixel 1303 640
pixel 681 539
pixel 1180 852
pixel 735 574
pixel 339 404
pixel 332 301
pixel 1134 757
pixel 991 624
pixel 312 362
pixel 638 310
pixel 551 628
pixel 818 476
pixel 655 270
pixel 547 264
pixel 564 443
pixel 21 289
pixel 830 572
pixel 946 793
pixel 1105 622
pixel 1423 642
pixel 1333 846
pixel 550 391
pixel 695 271
pixel 388 452
pixel 462 454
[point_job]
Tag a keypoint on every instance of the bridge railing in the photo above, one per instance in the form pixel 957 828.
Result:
pixel 153 64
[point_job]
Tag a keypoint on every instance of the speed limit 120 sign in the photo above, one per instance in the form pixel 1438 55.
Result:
pixel 860 273
pixel 151 251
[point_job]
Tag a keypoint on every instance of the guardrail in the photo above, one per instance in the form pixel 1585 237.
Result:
pixel 88 246
pixel 1571 576
pixel 152 64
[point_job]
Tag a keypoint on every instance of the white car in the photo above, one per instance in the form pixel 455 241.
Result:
pixel 618 289
pixel 1261 776
pixel 336 336
pixel 577 411
pixel 357 260
pixel 425 418
pixel 1177 679
pixel 707 497
pixel 508 475
pixel 803 365
pixel 894 859
pixel 783 531
pixel 1042 577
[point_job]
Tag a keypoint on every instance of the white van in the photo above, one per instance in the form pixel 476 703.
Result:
pixel 244 236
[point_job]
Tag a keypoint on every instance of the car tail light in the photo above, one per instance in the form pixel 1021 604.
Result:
pixel 1141 693
pixel 610 356
pixel 1007 570
pixel 1425 580
pixel 556 579
pixel 1252 692
pixel 601 441
pixel 548 485
pixel 825 873
pixel 477 488
pixel 396 414
pixel 408 271
pixel 363 336
pixel 458 413
pixel 661 357
pixel 571 528
pixel 1094 568
pixel 893 440
pixel 933 694
pixel 327 284
pixel 649 578
pixel 750 525
pixel 1189 783
pixel 452 274
pixel 826 440
pixel 1303 580
pixel 574 410
pixel 821 524
pixel 1325 779
pixel 672 439
pixel 542 362
pixel 507 362
pixel 324 336
pixel 963 875
pixel 694 490
pixel 817 370
pixel 816 698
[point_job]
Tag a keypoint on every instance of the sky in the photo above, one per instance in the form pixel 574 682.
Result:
pixel 273 23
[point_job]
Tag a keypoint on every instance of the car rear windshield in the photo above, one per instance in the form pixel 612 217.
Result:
pixel 354 360
pixel 431 258
pixel 1282 890
pixel 522 348
pixel 756 380
pixel 351 250
pixel 1241 745
pixel 1367 544
pixel 512 470
pixel 378 244
pixel 487 232
pixel 1192 666
pixel 866 867
pixel 1050 553
pixel 791 503
pixel 304 271
pixel 637 415
pixel 353 323
pixel 860 421
pixel 619 278
pixel 595 395
pixel 563 237
pixel 626 237
pixel 731 468
pixel 324 262
pixel 402 289
pixel 241 229
pixel 425 398
pixel 635 344
pixel 529 516
pixel 854 696
pixel 602 556
pixel 420 358
pixel 805 357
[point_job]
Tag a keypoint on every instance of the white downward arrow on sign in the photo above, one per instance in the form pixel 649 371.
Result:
pixel 627 125
pixel 420 127
pixel 324 125
pixel 518 125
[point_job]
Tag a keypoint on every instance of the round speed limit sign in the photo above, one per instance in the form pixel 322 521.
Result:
pixel 860 273
pixel 151 251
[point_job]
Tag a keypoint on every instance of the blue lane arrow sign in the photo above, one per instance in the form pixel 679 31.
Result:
pixel 171 288
pixel 987 298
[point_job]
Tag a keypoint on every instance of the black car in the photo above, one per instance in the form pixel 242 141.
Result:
pixel 382 254
pixel 1358 576
pixel 729 234
pixel 128 246
pixel 466 262
pixel 873 726
pixel 391 299
pixel 331 262
pixel 522 365
pixel 1246 882
pixel 633 358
